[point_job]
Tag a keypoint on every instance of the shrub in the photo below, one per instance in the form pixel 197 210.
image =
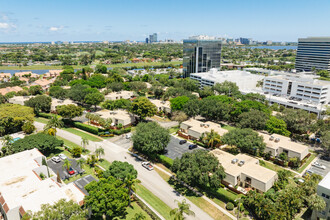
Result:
pixel 168 162
pixel 76 151
pixel 42 176
pixel 28 127
pixel 45 115
pixel 87 128
pixel 230 206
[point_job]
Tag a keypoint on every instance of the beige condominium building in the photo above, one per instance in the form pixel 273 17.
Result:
pixel 22 189
pixel 164 106
pixel 276 144
pixel 58 102
pixel 323 190
pixel 19 99
pixel 245 171
pixel 195 129
pixel 119 95
pixel 117 116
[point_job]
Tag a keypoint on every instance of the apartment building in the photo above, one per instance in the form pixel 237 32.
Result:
pixel 323 190
pixel 119 95
pixel 164 106
pixel 245 171
pixel 117 116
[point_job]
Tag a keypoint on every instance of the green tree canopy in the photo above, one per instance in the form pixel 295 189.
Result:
pixel 58 92
pixel 246 140
pixel 277 126
pixel 39 103
pixel 178 102
pixel 254 119
pixel 298 121
pixel 107 197
pixel 199 168
pixel 120 170
pixel 143 107
pixel 94 98
pixel 150 138
pixel 69 111
pixel 36 90
pixel 227 88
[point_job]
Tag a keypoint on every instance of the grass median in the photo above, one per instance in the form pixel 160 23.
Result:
pixel 82 134
pixel 154 201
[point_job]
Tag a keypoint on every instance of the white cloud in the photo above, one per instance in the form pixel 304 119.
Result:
pixel 4 25
pixel 56 28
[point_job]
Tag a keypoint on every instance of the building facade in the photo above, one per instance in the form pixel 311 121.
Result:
pixel 313 52
pixel 323 190
pixel 200 55
pixel 153 38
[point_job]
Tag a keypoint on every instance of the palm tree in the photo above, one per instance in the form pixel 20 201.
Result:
pixel 7 142
pixel 98 152
pixel 183 207
pixel 88 116
pixel 84 142
pixel 139 216
pixel 106 123
pixel 212 138
pixel 67 164
pixel 54 123
pixel 130 184
pixel 81 162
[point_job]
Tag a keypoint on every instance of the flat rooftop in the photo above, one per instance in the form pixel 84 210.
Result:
pixel 21 186
pixel 250 168
pixel 325 182
pixel 160 103
pixel 284 142
pixel 201 127
pixel 118 113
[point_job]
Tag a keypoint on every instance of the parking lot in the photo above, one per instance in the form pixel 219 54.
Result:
pixel 175 149
pixel 122 141
pixel 320 171
pixel 58 167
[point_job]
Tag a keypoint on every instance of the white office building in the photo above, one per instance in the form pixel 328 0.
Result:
pixel 246 81
pixel 323 190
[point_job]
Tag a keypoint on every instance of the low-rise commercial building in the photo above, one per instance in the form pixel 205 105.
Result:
pixel 195 129
pixel 245 171
pixel 119 95
pixel 117 116
pixel 23 189
pixel 277 144
pixel 323 190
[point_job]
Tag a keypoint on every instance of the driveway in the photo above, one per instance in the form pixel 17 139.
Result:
pixel 175 149
pixel 122 141
pixel 82 182
pixel 58 167
pixel 320 171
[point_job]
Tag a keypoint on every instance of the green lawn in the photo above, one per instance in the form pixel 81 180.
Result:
pixel 104 163
pixel 83 134
pixel 41 120
pixel 309 160
pixel 174 129
pixel 227 127
pixel 153 201
pixel 272 166
pixel 135 208
pixel 44 67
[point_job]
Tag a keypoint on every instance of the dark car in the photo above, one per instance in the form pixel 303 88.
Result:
pixel 192 146
pixel 183 141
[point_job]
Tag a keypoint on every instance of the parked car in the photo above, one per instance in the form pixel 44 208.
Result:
pixel 56 159
pixel 147 165
pixel 192 146
pixel 318 165
pixel 71 171
pixel 310 172
pixel 62 156
pixel 183 141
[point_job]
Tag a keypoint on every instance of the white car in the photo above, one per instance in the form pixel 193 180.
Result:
pixel 147 165
pixel 56 159
pixel 318 165
pixel 62 156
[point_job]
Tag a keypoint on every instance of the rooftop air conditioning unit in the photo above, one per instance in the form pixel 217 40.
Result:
pixel 234 160
pixel 241 163
pixel 277 140
pixel 271 138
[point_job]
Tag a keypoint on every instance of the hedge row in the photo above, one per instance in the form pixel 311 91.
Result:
pixel 146 209
pixel 168 162
pixel 87 128
pixel 45 115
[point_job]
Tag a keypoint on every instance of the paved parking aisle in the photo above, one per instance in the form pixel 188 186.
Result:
pixel 320 171
pixel 82 182
pixel 175 149
pixel 58 167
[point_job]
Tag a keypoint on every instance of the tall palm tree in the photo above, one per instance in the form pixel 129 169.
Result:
pixel 7 142
pixel 139 216
pixel 67 164
pixel 183 207
pixel 212 138
pixel 99 151
pixel 81 162
pixel 84 142
pixel 88 116
pixel 130 183
pixel 54 123
pixel 106 123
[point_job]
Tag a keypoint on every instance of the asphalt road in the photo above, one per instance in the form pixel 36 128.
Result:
pixel 150 179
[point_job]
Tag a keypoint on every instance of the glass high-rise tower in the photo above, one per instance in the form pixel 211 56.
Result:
pixel 200 55
pixel 313 52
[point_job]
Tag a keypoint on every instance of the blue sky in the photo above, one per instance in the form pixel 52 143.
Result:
pixel 73 20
